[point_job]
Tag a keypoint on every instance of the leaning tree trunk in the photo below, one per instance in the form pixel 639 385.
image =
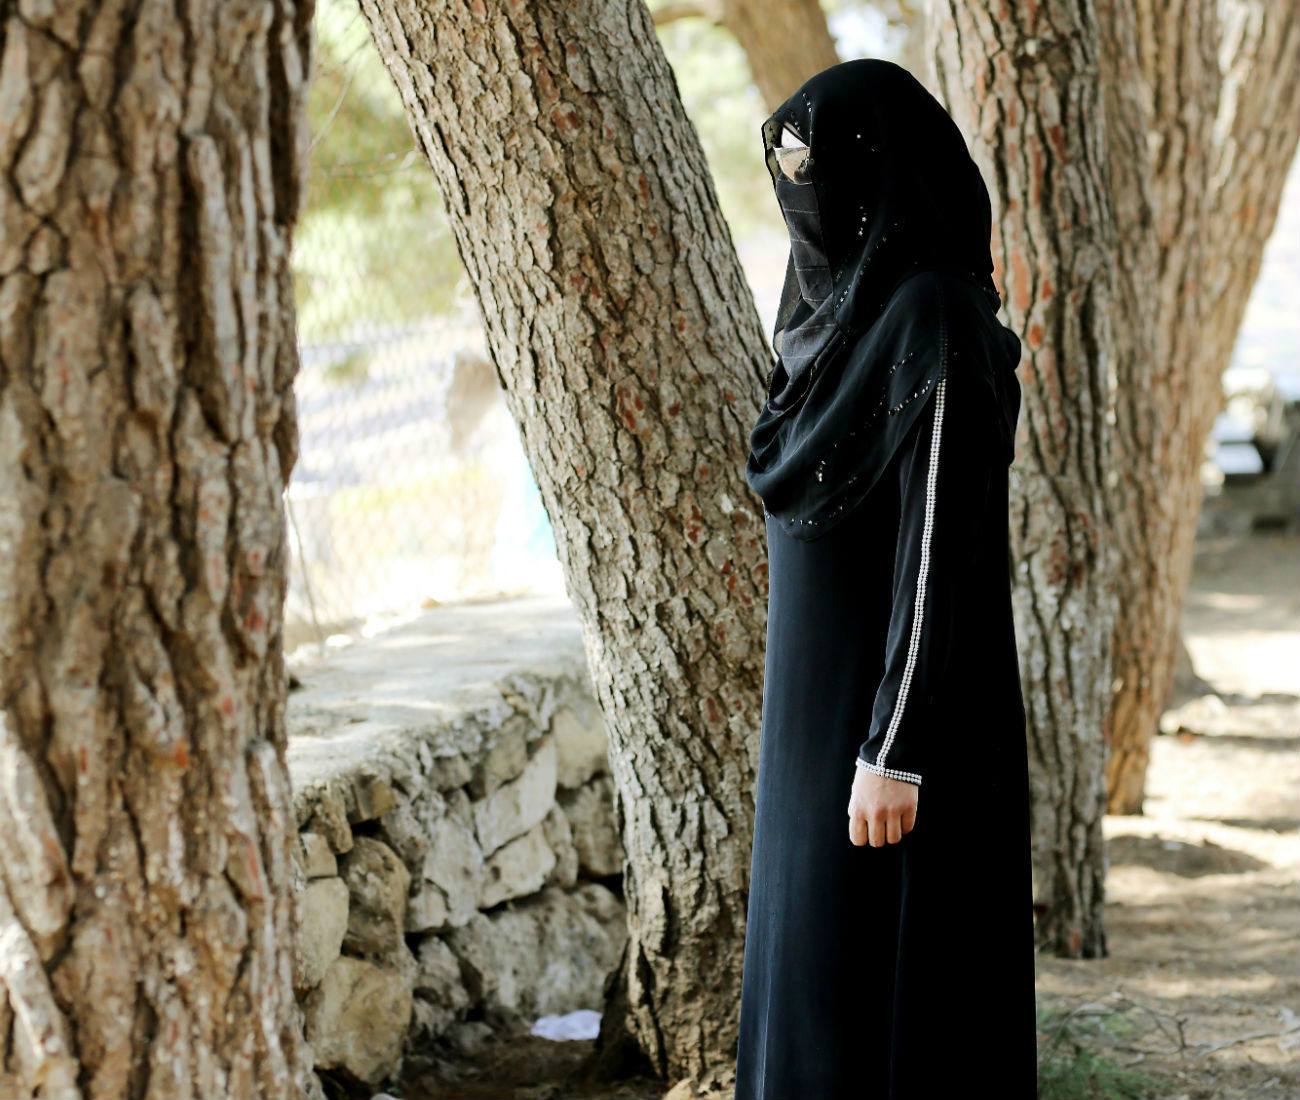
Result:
pixel 1140 522
pixel 1220 84
pixel 152 157
pixel 785 41
pixel 1023 85
pixel 633 361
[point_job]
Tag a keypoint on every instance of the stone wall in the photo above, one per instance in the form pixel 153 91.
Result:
pixel 458 860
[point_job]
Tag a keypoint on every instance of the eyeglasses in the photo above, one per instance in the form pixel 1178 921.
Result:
pixel 792 156
pixel 794 163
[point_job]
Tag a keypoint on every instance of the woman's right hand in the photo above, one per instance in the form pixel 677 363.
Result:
pixel 881 809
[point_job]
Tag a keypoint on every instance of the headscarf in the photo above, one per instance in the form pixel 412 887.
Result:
pixel 889 268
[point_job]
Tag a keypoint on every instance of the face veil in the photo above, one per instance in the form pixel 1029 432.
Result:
pixel 889 223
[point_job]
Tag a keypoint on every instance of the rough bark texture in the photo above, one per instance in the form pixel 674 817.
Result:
pixel 1136 402
pixel 633 361
pixel 153 159
pixel 1194 124
pixel 785 41
pixel 1217 91
pixel 1023 84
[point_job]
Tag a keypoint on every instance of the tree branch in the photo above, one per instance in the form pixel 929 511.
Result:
pixel 687 9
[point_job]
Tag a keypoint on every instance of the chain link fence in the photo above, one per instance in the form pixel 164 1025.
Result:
pixel 410 486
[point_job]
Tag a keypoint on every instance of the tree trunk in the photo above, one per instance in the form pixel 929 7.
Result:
pixel 1219 87
pixel 785 41
pixel 1023 85
pixel 634 364
pixel 153 162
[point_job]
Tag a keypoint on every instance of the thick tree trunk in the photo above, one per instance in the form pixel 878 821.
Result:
pixel 1140 524
pixel 1198 129
pixel 634 364
pixel 1219 93
pixel 152 160
pixel 1023 85
pixel 785 41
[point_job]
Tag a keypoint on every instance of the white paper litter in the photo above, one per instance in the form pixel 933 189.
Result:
pixel 582 1024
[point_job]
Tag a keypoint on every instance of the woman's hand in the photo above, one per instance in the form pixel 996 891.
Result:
pixel 881 809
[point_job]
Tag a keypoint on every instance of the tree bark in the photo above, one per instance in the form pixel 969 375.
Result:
pixel 785 41
pixel 153 160
pixel 1218 94
pixel 1195 128
pixel 1023 83
pixel 633 362
pixel 1137 434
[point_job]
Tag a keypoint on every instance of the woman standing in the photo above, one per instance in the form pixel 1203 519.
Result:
pixel 889 953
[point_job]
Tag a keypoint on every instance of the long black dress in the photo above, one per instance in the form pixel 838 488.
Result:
pixel 904 971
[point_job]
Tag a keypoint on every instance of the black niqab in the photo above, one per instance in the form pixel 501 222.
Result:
pixel 888 283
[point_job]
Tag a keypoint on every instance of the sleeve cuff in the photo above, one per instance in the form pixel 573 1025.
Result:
pixel 890 773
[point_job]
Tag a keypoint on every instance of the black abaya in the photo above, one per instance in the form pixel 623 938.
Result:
pixel 907 970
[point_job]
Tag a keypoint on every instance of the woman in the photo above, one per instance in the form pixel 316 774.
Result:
pixel 894 957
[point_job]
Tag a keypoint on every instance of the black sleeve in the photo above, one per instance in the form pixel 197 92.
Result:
pixel 944 473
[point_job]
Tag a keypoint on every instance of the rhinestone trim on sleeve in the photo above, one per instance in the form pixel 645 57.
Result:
pixel 890 773
pixel 914 642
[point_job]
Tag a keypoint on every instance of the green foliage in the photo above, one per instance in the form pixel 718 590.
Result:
pixel 373 246
pixel 721 99
pixel 1072 1067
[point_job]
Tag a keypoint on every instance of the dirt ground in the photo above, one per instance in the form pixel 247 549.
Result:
pixel 1202 900
pixel 1201 988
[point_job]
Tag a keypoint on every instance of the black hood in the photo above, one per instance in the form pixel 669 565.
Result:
pixel 889 265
